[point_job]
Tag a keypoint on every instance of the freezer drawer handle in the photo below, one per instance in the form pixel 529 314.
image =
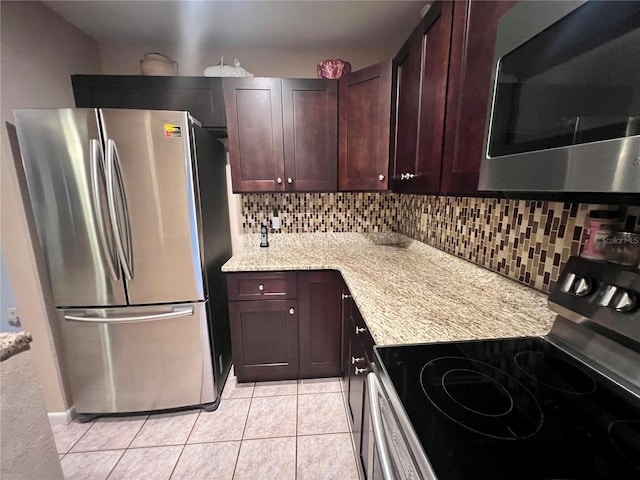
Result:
pixel 181 312
pixel 376 424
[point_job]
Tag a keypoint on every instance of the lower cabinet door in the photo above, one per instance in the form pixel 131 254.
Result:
pixel 264 338
pixel 320 322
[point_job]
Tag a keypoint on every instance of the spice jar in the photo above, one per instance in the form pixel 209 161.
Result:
pixel 602 225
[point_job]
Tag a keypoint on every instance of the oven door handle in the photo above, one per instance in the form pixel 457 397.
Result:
pixel 374 390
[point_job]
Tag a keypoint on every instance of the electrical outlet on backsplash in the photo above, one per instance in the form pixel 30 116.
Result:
pixel 528 241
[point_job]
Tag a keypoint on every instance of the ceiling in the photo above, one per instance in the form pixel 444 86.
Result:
pixel 299 24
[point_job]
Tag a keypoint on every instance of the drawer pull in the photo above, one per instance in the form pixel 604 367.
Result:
pixel 360 330
pixel 360 371
pixel 291 311
pixel 261 287
pixel 345 296
pixel 355 360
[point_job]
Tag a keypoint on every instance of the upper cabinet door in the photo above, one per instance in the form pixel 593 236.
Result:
pixel 422 70
pixel 472 49
pixel 435 40
pixel 407 102
pixel 310 116
pixel 200 96
pixel 365 111
pixel 254 128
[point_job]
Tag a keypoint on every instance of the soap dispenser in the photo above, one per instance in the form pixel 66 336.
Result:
pixel 264 240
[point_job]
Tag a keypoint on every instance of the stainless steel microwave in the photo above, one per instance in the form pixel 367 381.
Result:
pixel 564 112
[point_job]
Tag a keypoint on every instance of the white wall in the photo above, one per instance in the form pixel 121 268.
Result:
pixel 39 52
pixel 124 58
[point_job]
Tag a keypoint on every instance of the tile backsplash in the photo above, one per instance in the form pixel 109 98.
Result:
pixel 321 212
pixel 529 241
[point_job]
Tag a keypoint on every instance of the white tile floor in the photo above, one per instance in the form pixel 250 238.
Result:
pixel 270 430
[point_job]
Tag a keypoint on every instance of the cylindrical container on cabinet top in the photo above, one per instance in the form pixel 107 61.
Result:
pixel 602 225
pixel 158 64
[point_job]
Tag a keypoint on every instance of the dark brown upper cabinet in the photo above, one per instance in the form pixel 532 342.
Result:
pixel 200 96
pixel 282 134
pixel 443 76
pixel 471 65
pixel 422 71
pixel 365 110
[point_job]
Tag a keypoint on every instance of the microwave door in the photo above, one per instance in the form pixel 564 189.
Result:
pixel 64 167
pixel 151 175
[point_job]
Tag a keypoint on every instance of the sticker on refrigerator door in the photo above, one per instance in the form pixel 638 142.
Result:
pixel 171 130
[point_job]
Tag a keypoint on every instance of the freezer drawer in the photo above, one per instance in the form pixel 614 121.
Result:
pixel 138 358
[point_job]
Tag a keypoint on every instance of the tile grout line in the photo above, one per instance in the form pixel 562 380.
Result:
pixel 185 443
pixel 93 422
pixel 246 420
pixel 295 462
pixel 127 448
pixel 194 425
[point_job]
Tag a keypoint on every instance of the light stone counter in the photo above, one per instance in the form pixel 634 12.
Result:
pixel 408 292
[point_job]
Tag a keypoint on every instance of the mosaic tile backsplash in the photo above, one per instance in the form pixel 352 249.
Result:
pixel 529 241
pixel 322 212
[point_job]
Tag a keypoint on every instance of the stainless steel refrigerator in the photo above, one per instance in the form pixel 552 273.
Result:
pixel 132 217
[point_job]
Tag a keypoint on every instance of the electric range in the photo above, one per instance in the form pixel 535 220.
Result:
pixel 563 406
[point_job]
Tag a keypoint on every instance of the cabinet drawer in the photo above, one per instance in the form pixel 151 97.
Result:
pixel 261 286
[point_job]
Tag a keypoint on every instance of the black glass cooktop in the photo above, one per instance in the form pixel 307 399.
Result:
pixel 514 409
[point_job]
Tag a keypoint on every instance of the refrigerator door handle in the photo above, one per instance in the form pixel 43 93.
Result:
pixel 97 179
pixel 177 312
pixel 126 257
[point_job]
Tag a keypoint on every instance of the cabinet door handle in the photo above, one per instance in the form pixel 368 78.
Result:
pixel 360 371
pixel 381 177
pixel 291 311
pixel 355 360
pixel 345 296
pixel 289 180
pixel 278 180
pixel 261 287
pixel 360 330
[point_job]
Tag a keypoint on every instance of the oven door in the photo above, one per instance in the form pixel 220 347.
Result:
pixel 387 450
pixel 565 110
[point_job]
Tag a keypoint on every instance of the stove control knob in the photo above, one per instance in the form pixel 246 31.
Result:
pixel 578 286
pixel 608 295
pixel 625 301
pixel 583 287
pixel 568 283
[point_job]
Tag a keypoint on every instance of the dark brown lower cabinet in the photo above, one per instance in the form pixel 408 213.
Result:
pixel 356 366
pixel 296 336
pixel 264 337
pixel 319 324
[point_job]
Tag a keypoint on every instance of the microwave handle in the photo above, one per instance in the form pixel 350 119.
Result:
pixel 376 425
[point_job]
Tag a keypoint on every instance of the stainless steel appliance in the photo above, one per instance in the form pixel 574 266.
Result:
pixel 565 107
pixel 131 213
pixel 566 405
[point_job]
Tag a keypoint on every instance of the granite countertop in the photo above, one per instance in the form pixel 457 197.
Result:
pixel 12 343
pixel 406 291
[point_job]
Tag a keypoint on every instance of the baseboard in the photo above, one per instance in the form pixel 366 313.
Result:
pixel 62 418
